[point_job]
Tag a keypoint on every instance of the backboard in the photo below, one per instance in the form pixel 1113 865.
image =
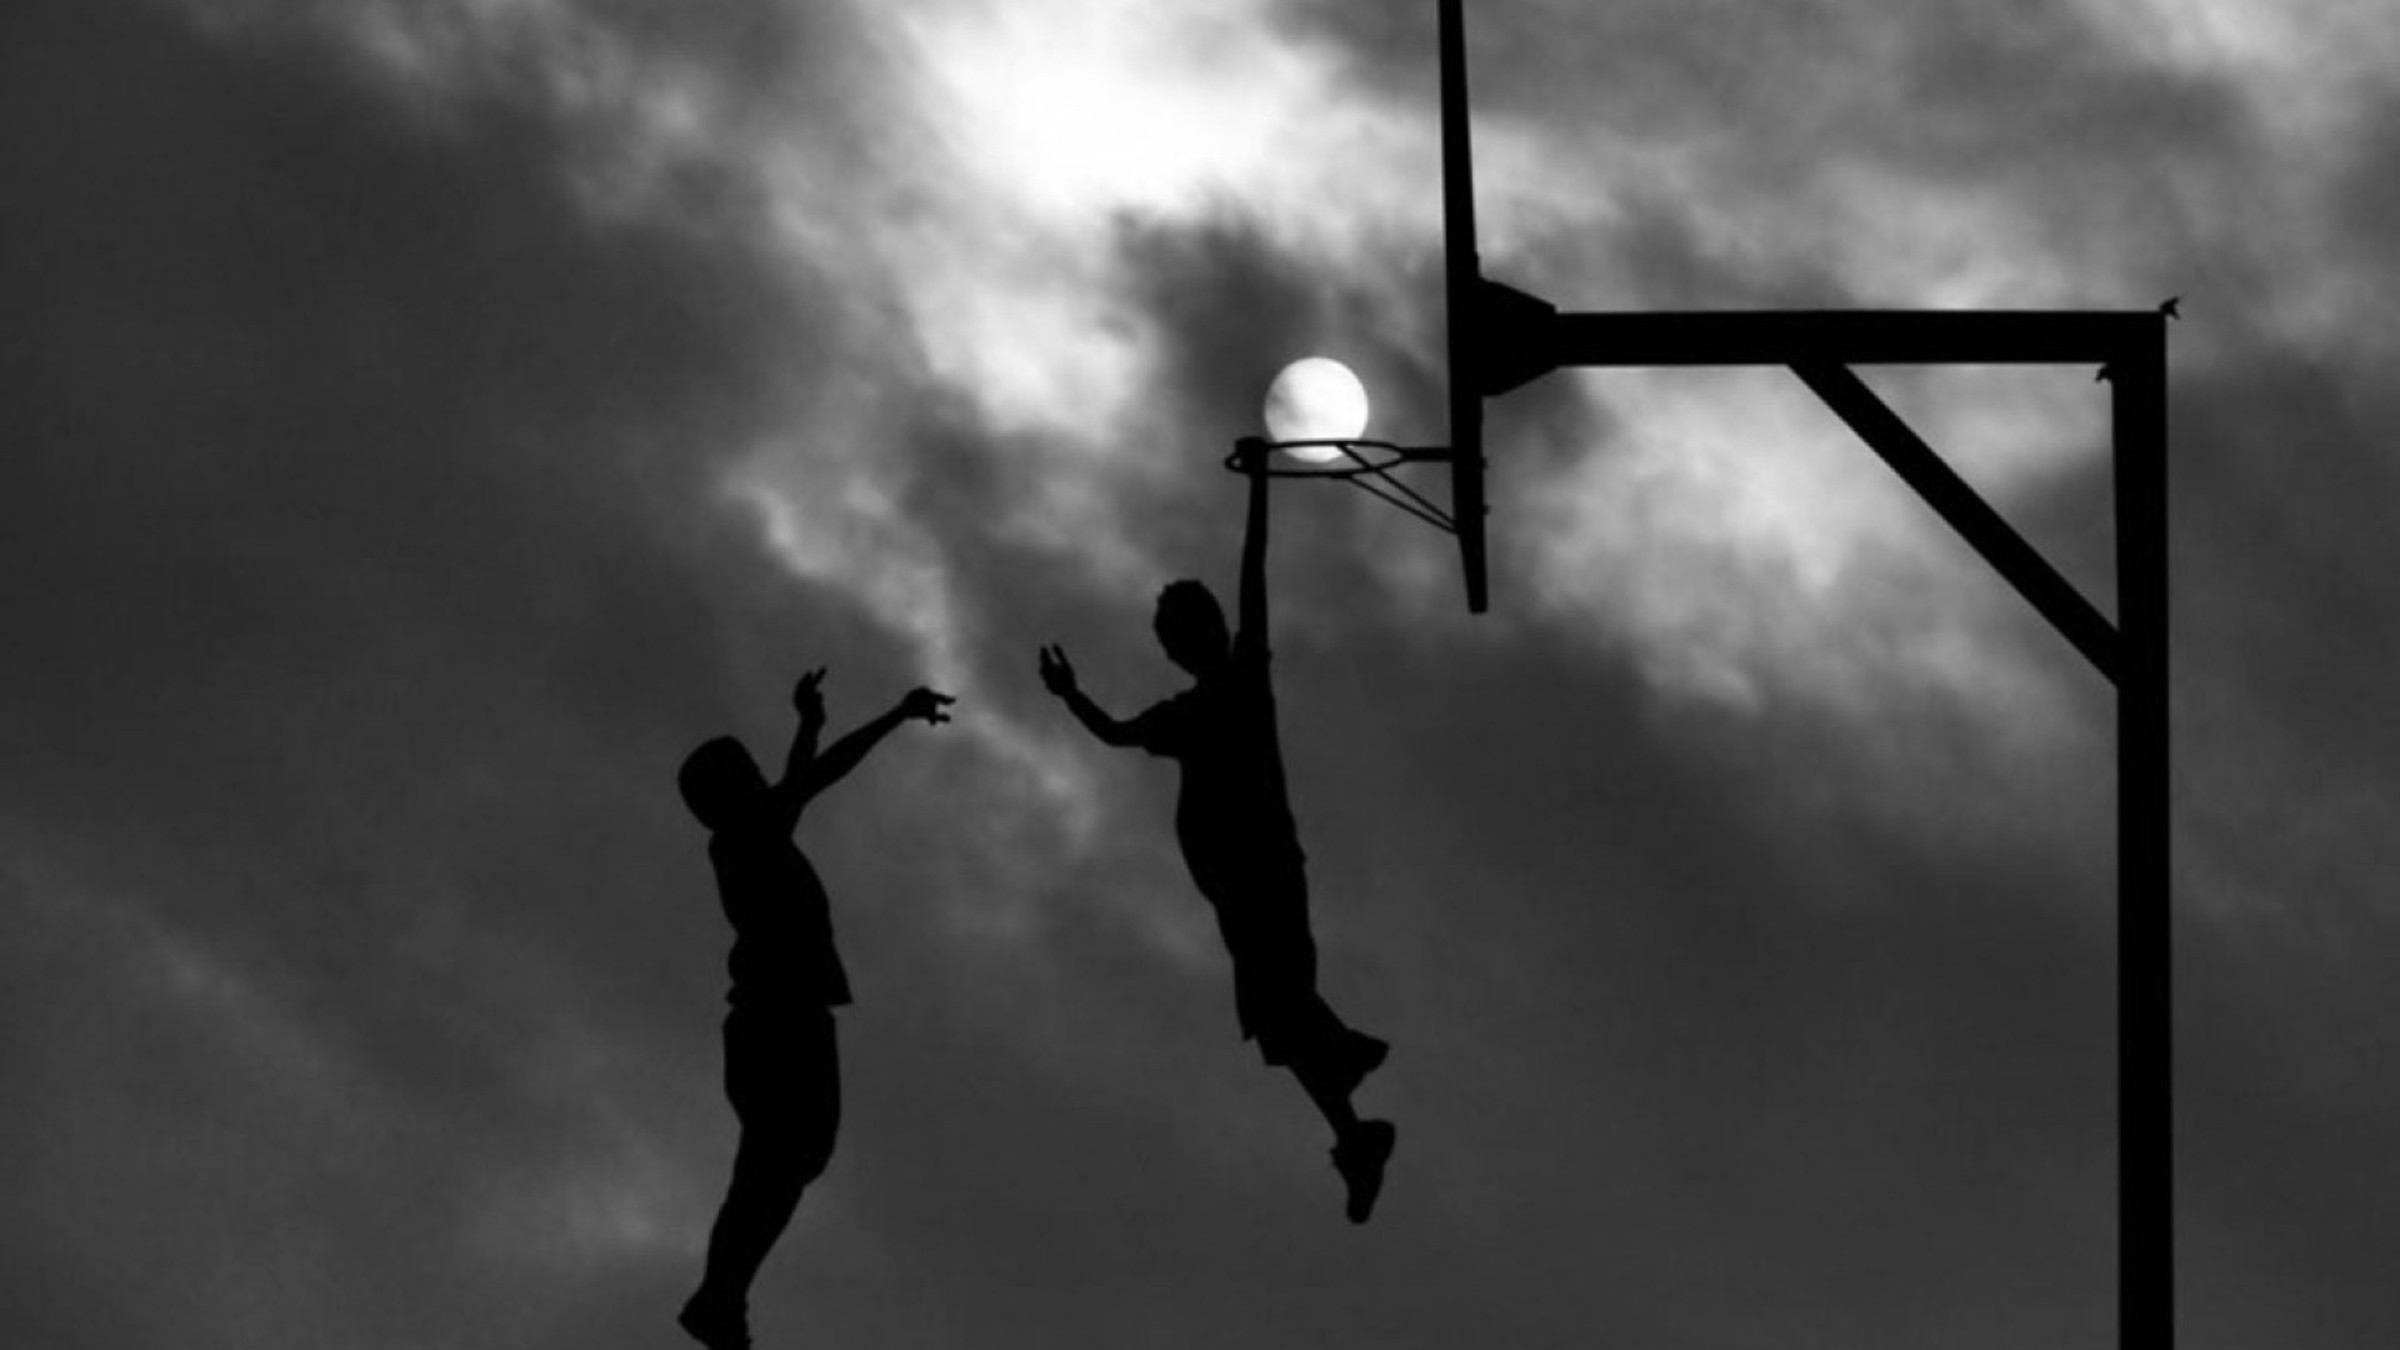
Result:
pixel 1462 276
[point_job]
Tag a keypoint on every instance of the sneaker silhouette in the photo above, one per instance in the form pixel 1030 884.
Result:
pixel 715 1325
pixel 1362 1054
pixel 1360 1159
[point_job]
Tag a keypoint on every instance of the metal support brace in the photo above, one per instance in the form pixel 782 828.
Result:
pixel 1974 519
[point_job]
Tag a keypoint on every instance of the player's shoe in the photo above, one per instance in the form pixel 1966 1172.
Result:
pixel 1360 1159
pixel 1361 1055
pixel 716 1325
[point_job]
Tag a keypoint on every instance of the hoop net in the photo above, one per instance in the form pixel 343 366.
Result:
pixel 1364 464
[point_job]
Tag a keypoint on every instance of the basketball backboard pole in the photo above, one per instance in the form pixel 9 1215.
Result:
pixel 2145 852
pixel 1462 283
pixel 1501 338
pixel 1527 339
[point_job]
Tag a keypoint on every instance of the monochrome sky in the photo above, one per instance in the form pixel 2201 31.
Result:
pixel 421 421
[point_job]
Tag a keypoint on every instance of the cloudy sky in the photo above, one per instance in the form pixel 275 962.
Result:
pixel 423 420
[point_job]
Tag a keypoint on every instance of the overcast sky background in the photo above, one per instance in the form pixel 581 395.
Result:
pixel 420 423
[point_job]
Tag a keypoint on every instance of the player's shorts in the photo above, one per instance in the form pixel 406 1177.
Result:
pixel 1265 925
pixel 783 1076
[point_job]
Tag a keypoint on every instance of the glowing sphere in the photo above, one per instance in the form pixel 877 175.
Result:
pixel 1316 399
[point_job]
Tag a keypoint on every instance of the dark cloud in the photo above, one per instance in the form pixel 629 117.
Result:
pixel 358 554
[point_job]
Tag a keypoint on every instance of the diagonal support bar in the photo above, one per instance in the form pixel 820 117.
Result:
pixel 2018 562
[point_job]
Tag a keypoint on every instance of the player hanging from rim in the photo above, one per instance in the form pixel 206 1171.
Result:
pixel 782 1075
pixel 1239 840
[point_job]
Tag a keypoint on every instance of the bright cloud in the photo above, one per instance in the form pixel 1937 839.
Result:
pixel 1747 547
pixel 1728 532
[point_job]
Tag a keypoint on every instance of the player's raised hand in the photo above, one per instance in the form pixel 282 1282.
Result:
pixel 1057 675
pixel 807 699
pixel 926 705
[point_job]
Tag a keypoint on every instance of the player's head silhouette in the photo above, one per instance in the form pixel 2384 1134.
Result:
pixel 721 783
pixel 1191 626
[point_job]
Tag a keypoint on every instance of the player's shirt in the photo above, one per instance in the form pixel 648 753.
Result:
pixel 783 954
pixel 1233 816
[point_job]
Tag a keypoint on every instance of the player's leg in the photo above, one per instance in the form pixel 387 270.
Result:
pixel 1275 990
pixel 1265 924
pixel 1300 1032
pixel 784 1080
pixel 1353 1055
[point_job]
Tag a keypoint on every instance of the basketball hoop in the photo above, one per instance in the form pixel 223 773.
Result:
pixel 1316 415
pixel 1362 463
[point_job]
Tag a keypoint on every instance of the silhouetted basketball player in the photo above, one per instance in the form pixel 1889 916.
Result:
pixel 1238 837
pixel 781 1073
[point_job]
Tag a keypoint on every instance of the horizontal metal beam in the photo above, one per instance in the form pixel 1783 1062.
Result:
pixel 2019 562
pixel 1839 337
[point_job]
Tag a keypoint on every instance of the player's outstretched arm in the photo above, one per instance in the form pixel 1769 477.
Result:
pixel 1252 633
pixel 838 759
pixel 808 700
pixel 1058 676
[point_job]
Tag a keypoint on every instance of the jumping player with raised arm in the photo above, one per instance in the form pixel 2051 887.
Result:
pixel 781 1072
pixel 1235 824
